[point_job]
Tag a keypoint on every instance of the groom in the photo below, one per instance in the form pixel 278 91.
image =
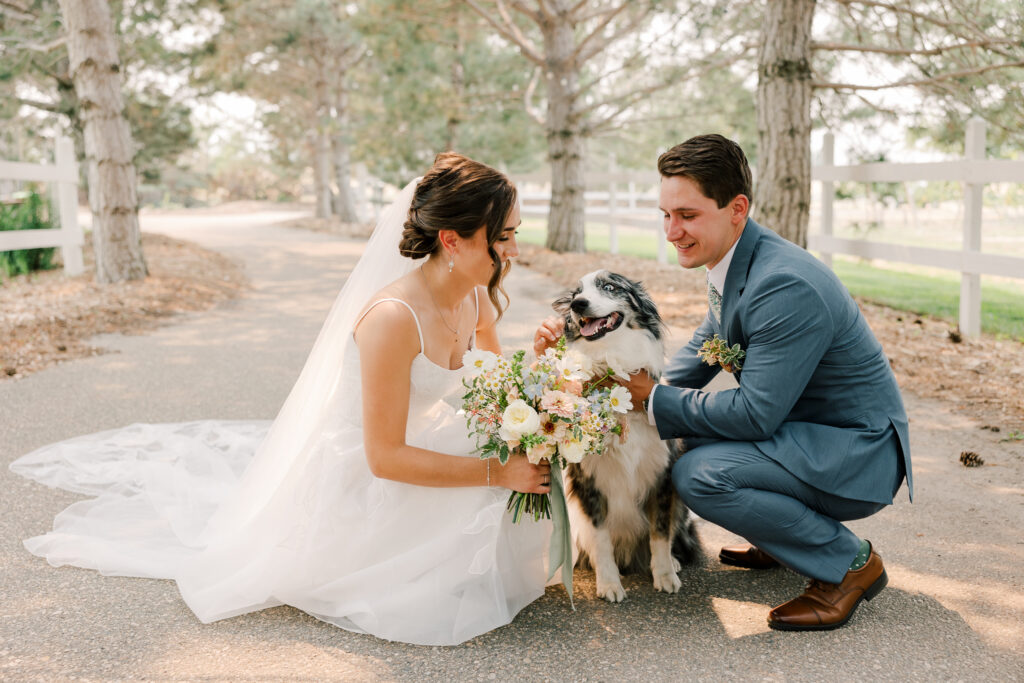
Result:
pixel 815 434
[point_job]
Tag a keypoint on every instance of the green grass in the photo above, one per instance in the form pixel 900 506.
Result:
pixel 1002 303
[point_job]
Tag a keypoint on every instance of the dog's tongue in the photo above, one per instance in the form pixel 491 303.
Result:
pixel 592 326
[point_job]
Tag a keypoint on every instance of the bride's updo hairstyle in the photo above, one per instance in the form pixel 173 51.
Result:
pixel 463 195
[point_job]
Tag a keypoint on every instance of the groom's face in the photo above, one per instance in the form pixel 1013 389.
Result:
pixel 701 232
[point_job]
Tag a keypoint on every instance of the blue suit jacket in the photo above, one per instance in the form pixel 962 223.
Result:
pixel 816 393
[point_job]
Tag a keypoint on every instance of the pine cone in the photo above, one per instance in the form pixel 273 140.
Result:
pixel 971 459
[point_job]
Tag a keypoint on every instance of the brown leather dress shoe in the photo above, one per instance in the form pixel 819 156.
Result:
pixel 748 556
pixel 825 606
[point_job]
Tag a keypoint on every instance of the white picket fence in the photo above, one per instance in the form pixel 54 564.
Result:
pixel 620 204
pixel 974 170
pixel 64 174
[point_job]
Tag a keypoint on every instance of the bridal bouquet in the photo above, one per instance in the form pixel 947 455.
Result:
pixel 551 409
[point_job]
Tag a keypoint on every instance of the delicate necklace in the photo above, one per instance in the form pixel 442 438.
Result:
pixel 458 315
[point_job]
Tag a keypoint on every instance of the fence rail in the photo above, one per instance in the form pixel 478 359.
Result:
pixel 974 171
pixel 64 174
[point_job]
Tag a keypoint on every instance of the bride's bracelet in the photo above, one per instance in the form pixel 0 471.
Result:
pixel 488 472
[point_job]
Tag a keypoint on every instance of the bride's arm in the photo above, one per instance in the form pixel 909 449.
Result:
pixel 388 343
pixel 486 323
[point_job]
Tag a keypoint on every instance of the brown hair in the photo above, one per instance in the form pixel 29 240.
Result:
pixel 463 195
pixel 715 163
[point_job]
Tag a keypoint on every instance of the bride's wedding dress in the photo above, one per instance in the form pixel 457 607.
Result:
pixel 303 522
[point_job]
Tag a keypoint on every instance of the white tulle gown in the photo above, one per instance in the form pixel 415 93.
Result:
pixel 415 564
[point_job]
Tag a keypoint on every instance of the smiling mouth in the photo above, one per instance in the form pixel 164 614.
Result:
pixel 595 328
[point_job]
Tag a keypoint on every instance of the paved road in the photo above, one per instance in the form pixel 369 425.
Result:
pixel 954 609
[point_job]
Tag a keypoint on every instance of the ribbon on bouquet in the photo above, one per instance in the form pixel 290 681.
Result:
pixel 560 549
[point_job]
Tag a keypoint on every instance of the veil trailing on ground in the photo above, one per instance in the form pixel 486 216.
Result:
pixel 171 494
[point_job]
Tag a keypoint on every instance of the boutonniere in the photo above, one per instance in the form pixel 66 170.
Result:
pixel 717 351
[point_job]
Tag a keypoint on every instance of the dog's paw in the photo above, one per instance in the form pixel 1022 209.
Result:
pixel 677 566
pixel 667 582
pixel 612 591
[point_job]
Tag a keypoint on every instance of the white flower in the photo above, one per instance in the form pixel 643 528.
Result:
pixel 620 399
pixel 519 419
pixel 542 450
pixel 479 360
pixel 573 450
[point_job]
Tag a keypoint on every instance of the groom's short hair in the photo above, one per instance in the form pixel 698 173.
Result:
pixel 715 163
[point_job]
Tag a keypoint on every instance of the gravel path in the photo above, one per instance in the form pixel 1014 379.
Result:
pixel 954 609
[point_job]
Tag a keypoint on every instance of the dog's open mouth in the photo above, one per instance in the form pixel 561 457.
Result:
pixel 595 328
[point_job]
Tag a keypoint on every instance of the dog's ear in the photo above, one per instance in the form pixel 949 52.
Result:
pixel 562 303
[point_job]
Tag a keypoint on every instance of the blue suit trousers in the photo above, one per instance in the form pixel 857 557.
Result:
pixel 732 484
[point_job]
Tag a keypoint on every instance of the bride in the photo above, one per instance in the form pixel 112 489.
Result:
pixel 362 503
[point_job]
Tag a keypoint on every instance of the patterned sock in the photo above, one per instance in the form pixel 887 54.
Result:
pixel 862 556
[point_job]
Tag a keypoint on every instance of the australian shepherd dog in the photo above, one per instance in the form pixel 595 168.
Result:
pixel 624 511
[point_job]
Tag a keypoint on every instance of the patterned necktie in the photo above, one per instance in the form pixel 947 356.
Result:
pixel 715 299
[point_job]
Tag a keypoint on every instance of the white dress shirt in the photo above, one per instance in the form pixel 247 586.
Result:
pixel 715 276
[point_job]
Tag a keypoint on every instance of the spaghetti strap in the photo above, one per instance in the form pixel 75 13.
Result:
pixel 419 329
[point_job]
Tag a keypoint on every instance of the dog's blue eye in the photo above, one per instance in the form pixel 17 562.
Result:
pixel 609 288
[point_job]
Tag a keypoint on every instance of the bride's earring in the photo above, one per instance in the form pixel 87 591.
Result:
pixel 451 262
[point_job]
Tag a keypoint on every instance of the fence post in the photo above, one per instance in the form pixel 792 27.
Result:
pixel 828 151
pixel 613 229
pixel 970 283
pixel 67 200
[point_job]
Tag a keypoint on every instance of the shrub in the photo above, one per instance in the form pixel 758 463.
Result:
pixel 29 214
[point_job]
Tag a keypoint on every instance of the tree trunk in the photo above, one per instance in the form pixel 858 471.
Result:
pixel 782 199
pixel 565 141
pixel 95 68
pixel 322 139
pixel 344 202
pixel 458 76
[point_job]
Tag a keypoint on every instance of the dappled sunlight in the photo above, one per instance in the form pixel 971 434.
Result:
pixel 741 619
pixel 994 611
pixel 264 661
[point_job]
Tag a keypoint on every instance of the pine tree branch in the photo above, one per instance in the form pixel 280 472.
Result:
pixel 921 81
pixel 583 56
pixel 531 111
pixel 509 31
pixel 843 47
pixel 16 10
pixel 521 7
pixel 608 18
pixel 35 47
pixel 53 108
pixel 946 24
pixel 628 99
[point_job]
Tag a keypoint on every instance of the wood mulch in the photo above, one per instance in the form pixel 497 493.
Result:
pixel 48 317
pixel 983 378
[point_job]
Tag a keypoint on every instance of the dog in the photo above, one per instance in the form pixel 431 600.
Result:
pixel 624 511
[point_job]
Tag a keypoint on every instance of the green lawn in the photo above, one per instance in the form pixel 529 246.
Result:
pixel 1002 302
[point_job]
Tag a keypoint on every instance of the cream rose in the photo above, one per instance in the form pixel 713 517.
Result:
pixel 519 419
pixel 573 450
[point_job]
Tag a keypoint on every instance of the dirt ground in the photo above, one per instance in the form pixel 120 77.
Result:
pixel 48 317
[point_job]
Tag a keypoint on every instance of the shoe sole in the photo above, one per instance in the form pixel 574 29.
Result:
pixel 873 590
pixel 733 563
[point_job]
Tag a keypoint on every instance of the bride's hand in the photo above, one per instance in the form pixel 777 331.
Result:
pixel 547 334
pixel 520 475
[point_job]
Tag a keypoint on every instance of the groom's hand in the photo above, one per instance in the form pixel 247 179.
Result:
pixel 547 334
pixel 640 386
